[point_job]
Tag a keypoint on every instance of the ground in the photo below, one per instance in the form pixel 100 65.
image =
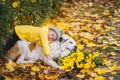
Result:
pixel 94 29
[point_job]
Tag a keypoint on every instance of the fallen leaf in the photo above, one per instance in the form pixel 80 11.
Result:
pixel 80 76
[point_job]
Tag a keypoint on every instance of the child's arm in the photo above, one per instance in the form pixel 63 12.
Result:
pixel 44 41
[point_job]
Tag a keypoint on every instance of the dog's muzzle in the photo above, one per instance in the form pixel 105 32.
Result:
pixel 73 50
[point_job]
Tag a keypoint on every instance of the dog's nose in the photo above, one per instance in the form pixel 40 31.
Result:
pixel 75 48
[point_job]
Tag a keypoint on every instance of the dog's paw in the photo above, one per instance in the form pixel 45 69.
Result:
pixel 54 64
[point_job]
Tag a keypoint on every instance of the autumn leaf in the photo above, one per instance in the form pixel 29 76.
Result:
pixel 80 46
pixel 87 35
pixel 84 71
pixel 80 76
pixel 8 78
pixel 106 13
pixel 91 44
pixel 11 66
pixel 51 77
pixel 99 78
pixel 15 4
pixel 35 68
pixel 33 1
pixel 100 71
pixel 106 62
pixel 111 53
pixel 92 27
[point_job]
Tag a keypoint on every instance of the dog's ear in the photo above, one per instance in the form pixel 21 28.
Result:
pixel 60 39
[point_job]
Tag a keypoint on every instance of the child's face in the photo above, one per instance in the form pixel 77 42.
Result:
pixel 52 36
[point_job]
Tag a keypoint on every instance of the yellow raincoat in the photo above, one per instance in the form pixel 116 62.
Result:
pixel 34 34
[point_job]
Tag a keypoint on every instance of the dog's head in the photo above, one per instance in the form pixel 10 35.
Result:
pixel 67 45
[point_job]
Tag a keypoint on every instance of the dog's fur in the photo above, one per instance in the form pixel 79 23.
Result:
pixel 30 52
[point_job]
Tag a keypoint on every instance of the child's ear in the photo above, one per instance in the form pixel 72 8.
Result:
pixel 60 39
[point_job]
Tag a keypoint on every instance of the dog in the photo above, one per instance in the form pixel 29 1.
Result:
pixel 30 52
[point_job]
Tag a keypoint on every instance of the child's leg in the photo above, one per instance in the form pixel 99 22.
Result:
pixel 11 41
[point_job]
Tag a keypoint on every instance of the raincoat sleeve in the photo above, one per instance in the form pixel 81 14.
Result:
pixel 44 41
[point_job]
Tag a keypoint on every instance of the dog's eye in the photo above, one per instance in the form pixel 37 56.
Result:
pixel 71 42
pixel 60 39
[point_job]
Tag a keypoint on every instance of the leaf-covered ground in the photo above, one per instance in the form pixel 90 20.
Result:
pixel 95 29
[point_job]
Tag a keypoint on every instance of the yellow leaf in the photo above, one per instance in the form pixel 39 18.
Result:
pixel 81 23
pixel 63 9
pixel 92 74
pixel 85 40
pixel 95 15
pixel 7 78
pixel 111 78
pixel 87 66
pixel 33 1
pixel 91 4
pixel 104 46
pixel 114 43
pixel 51 77
pixel 35 68
pixel 100 71
pixel 80 46
pixel 85 5
pixel 83 71
pixel 106 13
pixel 106 62
pixel 87 35
pixel 117 21
pixel 118 67
pixel 97 26
pixel 91 44
pixel 29 64
pixel 114 67
pixel 87 20
pixel 99 78
pixel 41 76
pixel 63 26
pixel 79 65
pixel 110 17
pixel 16 77
pixel 85 28
pixel 87 14
pixel 80 76
pixel 91 78
pixel 113 73
pixel 32 73
pixel 100 21
pixel 111 53
pixel 95 54
pixel 114 47
pixel 11 65
pixel 15 4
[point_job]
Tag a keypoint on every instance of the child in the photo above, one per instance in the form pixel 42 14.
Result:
pixel 42 35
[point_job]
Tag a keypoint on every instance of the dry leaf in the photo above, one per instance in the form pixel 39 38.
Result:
pixel 80 76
